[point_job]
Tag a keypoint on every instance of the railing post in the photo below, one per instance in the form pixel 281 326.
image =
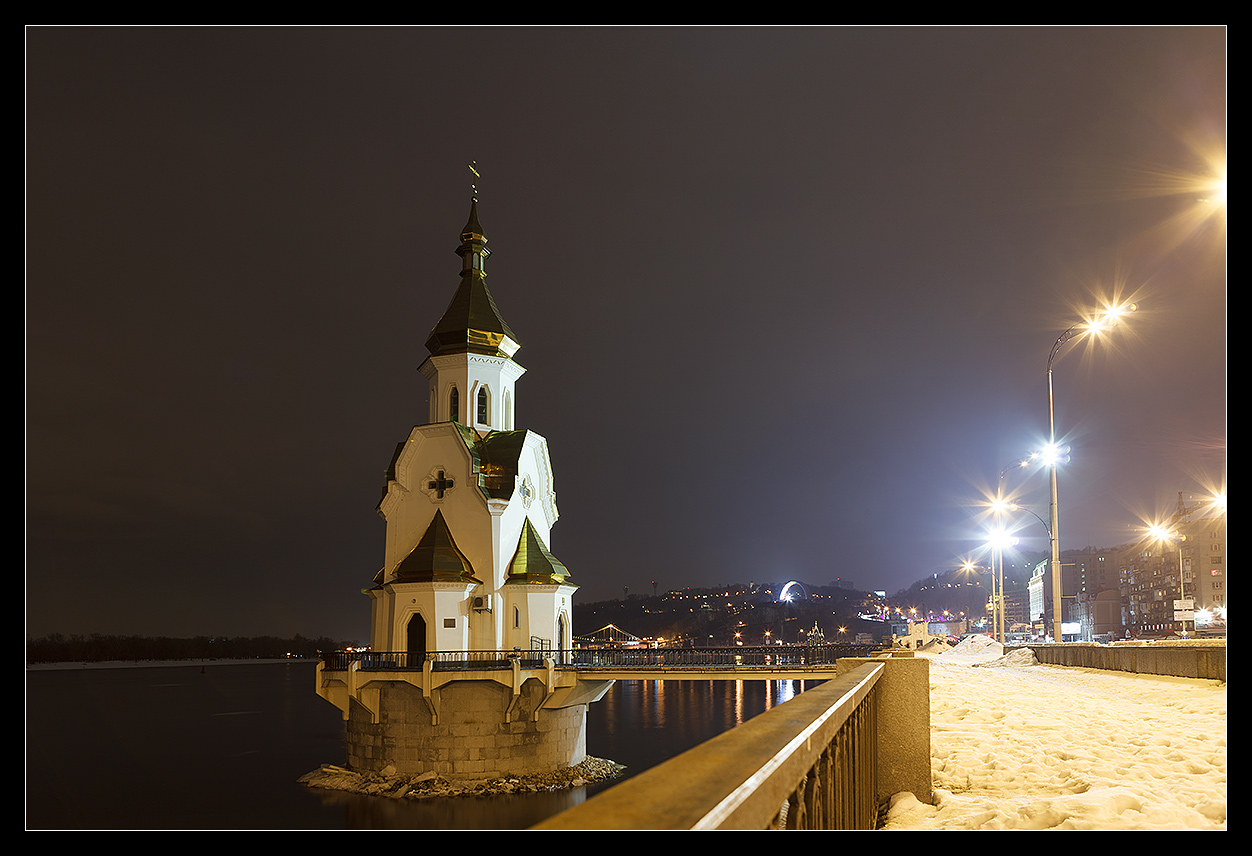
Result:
pixel 900 734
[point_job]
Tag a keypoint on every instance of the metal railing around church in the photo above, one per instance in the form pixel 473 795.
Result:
pixel 730 657
pixel 441 661
pixel 771 656
pixel 811 763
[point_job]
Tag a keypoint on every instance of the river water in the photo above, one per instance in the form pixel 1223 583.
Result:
pixel 220 746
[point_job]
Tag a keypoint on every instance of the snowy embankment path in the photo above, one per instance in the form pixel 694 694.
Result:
pixel 1018 745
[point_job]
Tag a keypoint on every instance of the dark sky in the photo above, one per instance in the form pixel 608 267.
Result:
pixel 785 297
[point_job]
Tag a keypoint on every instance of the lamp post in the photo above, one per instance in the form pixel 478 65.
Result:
pixel 1001 506
pixel 1054 534
pixel 970 567
pixel 998 542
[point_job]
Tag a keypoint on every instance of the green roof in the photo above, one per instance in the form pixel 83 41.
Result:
pixel 436 558
pixel 472 323
pixel 533 562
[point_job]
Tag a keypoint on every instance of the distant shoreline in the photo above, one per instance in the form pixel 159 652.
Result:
pixel 158 664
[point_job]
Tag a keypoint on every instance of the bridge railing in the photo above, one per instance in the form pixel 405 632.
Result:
pixel 441 661
pixel 729 657
pixel 811 763
pixel 592 658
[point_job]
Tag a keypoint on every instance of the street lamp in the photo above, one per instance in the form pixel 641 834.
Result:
pixel 999 541
pixel 1003 505
pixel 1109 318
pixel 970 567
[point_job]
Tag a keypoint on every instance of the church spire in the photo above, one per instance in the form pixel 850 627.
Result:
pixel 473 249
pixel 472 323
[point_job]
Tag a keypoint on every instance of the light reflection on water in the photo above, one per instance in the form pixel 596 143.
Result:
pixel 221 748
pixel 642 723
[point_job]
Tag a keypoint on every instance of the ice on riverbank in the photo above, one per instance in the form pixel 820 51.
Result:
pixel 389 783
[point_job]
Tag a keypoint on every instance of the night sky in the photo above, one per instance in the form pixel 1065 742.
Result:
pixel 785 298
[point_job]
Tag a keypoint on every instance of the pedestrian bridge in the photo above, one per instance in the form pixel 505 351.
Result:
pixel 770 662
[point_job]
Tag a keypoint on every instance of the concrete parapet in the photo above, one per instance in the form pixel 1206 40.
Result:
pixel 903 725
pixel 806 764
pixel 1180 659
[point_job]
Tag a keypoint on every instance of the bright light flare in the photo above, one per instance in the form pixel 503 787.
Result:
pixel 1163 533
pixel 1107 318
pixel 1216 195
pixel 1205 192
pixel 1000 540
pixel 1055 454
pixel 1002 506
pixel 1113 314
pixel 1100 318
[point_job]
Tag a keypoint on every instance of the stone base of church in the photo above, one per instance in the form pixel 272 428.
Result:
pixel 480 731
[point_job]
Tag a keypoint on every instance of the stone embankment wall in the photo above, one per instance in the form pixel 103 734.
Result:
pixel 472 738
pixel 1194 659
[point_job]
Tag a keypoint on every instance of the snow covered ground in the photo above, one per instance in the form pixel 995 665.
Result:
pixel 1019 745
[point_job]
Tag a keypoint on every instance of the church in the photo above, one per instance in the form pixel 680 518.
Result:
pixel 470 614
pixel 469 501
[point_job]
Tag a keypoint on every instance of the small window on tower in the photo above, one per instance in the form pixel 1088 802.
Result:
pixel 454 404
pixel 482 405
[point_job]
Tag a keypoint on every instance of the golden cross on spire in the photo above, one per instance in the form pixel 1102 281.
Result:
pixel 473 184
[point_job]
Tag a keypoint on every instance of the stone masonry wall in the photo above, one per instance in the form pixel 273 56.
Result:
pixel 472 740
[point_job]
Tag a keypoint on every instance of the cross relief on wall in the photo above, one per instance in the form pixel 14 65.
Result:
pixel 438 483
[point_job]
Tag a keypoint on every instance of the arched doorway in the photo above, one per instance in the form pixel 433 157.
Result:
pixel 560 639
pixel 416 641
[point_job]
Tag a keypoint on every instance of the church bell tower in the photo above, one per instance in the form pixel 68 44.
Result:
pixel 471 612
pixel 470 502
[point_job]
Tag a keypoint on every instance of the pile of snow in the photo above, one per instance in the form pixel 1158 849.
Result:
pixel 1027 746
pixel 978 646
pixel 1016 657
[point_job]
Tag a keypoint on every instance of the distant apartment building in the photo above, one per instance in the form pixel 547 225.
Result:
pixel 1096 606
pixel 1158 579
pixel 1039 594
pixel 1204 571
pixel 1016 607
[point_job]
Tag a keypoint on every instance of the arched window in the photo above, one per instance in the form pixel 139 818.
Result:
pixel 508 411
pixel 454 405
pixel 482 406
pixel 517 617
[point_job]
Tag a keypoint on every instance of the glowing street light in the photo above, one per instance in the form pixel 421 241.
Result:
pixel 999 542
pixel 1093 327
pixel 970 567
